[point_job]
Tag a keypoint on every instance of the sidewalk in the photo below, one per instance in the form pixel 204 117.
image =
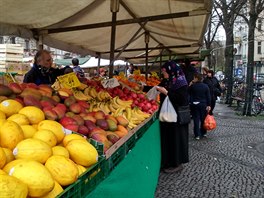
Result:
pixel 228 164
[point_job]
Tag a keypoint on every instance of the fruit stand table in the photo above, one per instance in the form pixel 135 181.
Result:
pixel 137 174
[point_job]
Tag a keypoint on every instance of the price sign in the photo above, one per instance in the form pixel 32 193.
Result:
pixel 110 83
pixel 69 80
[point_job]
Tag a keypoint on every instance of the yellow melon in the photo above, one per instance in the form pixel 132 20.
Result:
pixel 2 121
pixel 2 115
pixel 33 149
pixel 34 114
pixel 10 107
pixel 11 164
pixel 70 137
pixel 35 175
pixel 46 136
pixel 60 150
pixel 12 187
pixel 53 126
pixel 2 172
pixel 81 169
pixel 2 158
pixel 9 155
pixel 20 119
pixel 55 192
pixel 10 134
pixel 28 131
pixel 63 170
pixel 82 152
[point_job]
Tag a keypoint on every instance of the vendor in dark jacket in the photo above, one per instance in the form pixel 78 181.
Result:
pixel 42 72
pixel 200 101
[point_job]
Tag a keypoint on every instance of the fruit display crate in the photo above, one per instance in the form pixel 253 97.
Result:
pixel 91 178
pixel 86 182
pixel 117 153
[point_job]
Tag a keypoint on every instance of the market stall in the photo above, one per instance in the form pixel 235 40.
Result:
pixel 138 31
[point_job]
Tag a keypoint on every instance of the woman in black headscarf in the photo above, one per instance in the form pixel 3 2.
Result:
pixel 174 137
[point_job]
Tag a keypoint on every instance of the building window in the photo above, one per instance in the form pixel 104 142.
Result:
pixel 259 24
pixel 259 47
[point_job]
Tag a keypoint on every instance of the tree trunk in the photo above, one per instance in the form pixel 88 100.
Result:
pixel 209 59
pixel 250 66
pixel 229 62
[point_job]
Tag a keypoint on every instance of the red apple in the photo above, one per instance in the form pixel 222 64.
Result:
pixel 83 130
pixel 67 121
pixel 75 108
pixel 72 127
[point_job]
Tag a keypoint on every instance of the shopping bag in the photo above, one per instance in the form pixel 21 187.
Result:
pixel 152 93
pixel 209 122
pixel 183 115
pixel 167 111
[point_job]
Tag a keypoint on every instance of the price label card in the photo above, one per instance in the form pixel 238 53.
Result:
pixel 110 83
pixel 69 80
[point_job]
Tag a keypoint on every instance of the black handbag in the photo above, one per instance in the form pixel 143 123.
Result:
pixel 183 115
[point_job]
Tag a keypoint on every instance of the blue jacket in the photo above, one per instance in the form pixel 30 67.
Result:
pixel 199 92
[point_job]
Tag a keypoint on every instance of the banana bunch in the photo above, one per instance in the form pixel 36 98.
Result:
pixel 90 91
pixel 104 107
pixel 135 116
pixel 79 95
pixel 94 106
pixel 117 101
pixel 103 95
pixel 82 86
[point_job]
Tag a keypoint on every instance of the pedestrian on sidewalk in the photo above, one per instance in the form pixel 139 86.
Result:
pixel 200 101
pixel 214 87
pixel 174 137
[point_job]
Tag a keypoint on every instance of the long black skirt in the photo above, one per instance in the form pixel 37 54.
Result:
pixel 174 144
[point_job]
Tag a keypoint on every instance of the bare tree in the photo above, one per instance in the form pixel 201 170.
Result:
pixel 227 11
pixel 255 9
pixel 209 37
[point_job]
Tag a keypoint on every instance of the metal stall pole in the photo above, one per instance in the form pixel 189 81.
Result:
pixel 99 62
pixel 160 63
pixel 40 42
pixel 146 64
pixel 114 9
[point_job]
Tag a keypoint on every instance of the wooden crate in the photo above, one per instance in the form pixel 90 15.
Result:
pixel 15 67
pixel 11 48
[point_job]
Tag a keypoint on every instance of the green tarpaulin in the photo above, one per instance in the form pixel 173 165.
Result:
pixel 137 175
pixel 68 61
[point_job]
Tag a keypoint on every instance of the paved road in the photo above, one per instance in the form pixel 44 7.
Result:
pixel 228 164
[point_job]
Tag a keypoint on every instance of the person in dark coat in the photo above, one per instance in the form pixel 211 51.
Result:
pixel 174 137
pixel 42 72
pixel 200 101
pixel 188 70
pixel 214 87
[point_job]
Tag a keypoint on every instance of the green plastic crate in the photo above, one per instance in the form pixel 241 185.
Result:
pixel 122 151
pixel 87 182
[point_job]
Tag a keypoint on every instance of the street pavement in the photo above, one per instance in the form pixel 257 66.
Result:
pixel 229 163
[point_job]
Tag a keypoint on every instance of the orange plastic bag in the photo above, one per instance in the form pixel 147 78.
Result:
pixel 209 122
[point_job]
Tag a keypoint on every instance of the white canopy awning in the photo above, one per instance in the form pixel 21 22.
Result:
pixel 84 26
